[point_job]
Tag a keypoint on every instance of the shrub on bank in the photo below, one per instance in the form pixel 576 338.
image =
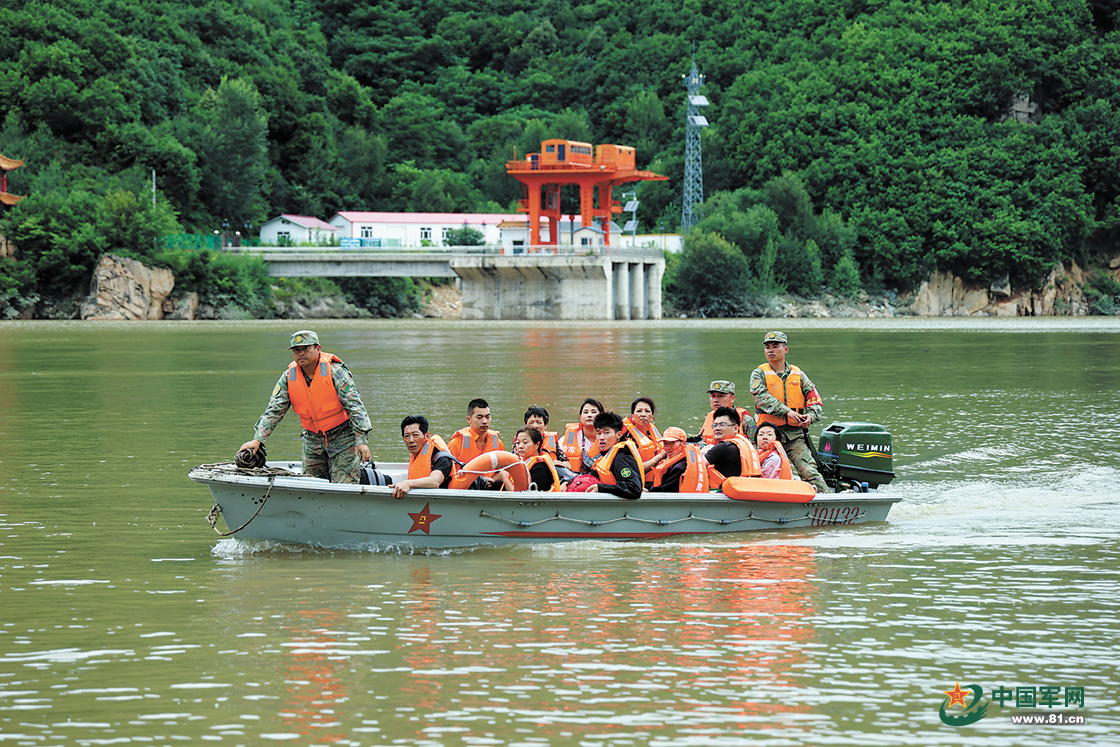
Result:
pixel 221 279
pixel 711 277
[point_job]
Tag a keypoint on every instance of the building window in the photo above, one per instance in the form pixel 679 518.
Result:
pixel 283 238
pixel 367 232
pixel 425 234
pixel 446 234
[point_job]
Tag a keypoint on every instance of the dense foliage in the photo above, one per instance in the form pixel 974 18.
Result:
pixel 874 134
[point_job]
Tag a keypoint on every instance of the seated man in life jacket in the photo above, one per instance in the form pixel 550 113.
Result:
pixel 430 464
pixel 477 438
pixel 773 462
pixel 537 417
pixel 722 394
pixel 619 469
pixel 684 469
pixel 733 455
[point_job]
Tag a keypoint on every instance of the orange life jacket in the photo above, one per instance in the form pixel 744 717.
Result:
pixel 648 446
pixel 569 446
pixel 706 432
pixel 603 463
pixel 463 447
pixel 748 456
pixel 785 472
pixel 317 405
pixel 551 441
pixel 695 477
pixel 551 468
pixel 787 391
pixel 420 464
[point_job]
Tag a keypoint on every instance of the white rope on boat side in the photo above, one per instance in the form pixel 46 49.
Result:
pixel 600 522
pixel 212 517
pixel 523 524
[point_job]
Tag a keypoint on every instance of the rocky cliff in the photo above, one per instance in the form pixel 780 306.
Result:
pixel 947 295
pixel 126 289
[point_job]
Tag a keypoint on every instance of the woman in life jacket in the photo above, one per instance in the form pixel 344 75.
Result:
pixel 773 461
pixel 641 430
pixel 579 446
pixel 528 444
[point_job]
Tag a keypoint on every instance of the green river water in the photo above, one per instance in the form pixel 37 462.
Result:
pixel 125 620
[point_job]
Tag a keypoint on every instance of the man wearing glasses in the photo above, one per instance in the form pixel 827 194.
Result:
pixel 733 455
pixel 320 388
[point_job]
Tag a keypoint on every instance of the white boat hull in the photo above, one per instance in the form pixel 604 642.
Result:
pixel 311 511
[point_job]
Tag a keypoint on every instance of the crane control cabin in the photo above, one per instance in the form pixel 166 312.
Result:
pixel 569 162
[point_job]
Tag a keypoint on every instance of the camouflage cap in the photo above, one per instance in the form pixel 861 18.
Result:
pixel 674 434
pixel 304 337
pixel 775 337
pixel 722 387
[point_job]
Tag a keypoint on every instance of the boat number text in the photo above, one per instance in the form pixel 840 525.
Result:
pixel 836 515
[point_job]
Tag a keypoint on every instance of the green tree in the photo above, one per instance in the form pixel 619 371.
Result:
pixel 845 278
pixel 465 236
pixel 233 152
pixel 712 276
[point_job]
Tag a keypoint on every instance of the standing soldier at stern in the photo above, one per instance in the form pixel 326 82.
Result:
pixel 785 398
pixel 321 390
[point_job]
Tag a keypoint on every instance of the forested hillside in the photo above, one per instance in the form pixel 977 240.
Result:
pixel 877 134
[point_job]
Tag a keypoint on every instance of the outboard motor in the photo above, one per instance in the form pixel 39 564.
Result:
pixel 855 453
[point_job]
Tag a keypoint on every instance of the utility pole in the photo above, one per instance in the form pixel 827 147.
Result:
pixel 693 210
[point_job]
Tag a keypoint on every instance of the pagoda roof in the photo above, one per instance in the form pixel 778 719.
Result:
pixel 9 199
pixel 7 164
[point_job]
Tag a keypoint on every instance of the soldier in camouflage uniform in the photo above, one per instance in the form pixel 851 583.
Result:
pixel 791 423
pixel 336 453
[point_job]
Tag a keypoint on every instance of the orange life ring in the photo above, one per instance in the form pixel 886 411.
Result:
pixel 489 463
pixel 770 491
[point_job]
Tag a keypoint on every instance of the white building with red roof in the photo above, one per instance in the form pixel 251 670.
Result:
pixel 414 229
pixel 293 230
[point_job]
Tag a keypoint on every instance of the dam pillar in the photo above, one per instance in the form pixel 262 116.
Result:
pixel 551 287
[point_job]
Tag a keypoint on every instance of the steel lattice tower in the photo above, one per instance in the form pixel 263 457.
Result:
pixel 693 164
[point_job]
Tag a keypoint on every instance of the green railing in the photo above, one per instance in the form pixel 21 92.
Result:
pixel 196 241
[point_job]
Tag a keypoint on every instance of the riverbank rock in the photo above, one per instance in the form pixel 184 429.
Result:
pixel 126 289
pixel 318 307
pixel 947 295
pixel 446 303
pixel 183 307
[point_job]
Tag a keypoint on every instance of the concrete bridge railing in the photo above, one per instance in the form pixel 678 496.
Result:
pixel 538 283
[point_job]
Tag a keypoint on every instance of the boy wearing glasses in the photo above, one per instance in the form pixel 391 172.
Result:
pixel 733 455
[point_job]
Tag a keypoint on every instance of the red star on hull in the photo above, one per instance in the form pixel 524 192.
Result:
pixel 423 520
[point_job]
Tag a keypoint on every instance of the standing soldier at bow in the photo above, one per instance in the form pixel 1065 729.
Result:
pixel 321 390
pixel 785 398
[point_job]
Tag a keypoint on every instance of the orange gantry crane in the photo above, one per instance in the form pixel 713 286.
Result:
pixel 569 162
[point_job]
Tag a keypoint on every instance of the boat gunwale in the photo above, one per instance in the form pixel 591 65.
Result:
pixel 210 474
